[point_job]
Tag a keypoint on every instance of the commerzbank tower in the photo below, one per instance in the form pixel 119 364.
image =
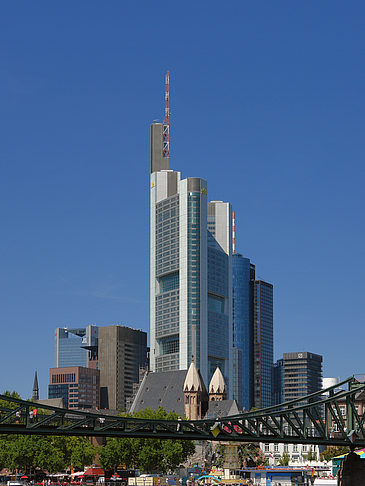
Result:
pixel 190 268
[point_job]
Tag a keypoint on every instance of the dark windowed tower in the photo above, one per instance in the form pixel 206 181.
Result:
pixel 243 276
pixel 263 343
pixel 302 374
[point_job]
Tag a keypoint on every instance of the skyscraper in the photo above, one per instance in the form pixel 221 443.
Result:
pixel 263 343
pixel 76 347
pixel 243 272
pixel 122 351
pixel 190 271
pixel 302 374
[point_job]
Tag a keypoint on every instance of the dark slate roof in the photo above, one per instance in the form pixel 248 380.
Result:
pixel 163 389
pixel 222 408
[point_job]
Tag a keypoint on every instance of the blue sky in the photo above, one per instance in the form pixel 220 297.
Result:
pixel 267 104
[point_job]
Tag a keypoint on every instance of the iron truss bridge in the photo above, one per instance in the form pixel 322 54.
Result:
pixel 328 417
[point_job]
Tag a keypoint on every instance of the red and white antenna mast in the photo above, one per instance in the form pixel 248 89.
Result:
pixel 166 122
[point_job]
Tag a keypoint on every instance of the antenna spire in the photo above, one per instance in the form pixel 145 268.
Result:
pixel 166 122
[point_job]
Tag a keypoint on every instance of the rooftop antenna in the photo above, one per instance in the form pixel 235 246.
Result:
pixel 166 122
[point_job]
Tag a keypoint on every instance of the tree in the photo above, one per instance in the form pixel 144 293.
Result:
pixel 148 455
pixel 79 451
pixel 311 456
pixel 333 451
pixel 53 453
pixel 284 459
pixel 251 455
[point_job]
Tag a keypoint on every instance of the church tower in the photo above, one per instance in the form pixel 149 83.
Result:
pixel 35 395
pixel 217 387
pixel 195 395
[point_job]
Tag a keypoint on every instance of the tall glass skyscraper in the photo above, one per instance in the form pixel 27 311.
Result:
pixel 76 347
pixel 243 276
pixel 263 343
pixel 190 271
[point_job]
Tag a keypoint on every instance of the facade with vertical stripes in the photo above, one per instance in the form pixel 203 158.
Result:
pixel 190 271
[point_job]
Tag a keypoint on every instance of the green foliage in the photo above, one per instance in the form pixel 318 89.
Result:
pixel 311 455
pixel 251 455
pixel 10 405
pixel 333 451
pixel 149 455
pixel 27 452
pixel 284 459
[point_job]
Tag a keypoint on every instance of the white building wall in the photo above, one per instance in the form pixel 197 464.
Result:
pixel 297 453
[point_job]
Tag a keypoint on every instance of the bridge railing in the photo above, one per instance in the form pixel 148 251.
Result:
pixel 314 419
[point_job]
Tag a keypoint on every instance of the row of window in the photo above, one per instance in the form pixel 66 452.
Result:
pixel 64 378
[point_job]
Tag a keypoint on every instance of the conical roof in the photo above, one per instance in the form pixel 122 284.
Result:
pixel 192 380
pixel 217 383
pixel 35 395
pixel 35 384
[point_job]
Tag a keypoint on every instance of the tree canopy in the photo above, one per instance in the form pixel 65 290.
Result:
pixel 53 453
pixel 333 451
pixel 149 455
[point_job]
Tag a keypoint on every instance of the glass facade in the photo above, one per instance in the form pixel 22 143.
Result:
pixel 302 374
pixel 218 320
pixel 71 344
pixel 278 382
pixel 263 343
pixel 194 276
pixel 167 273
pixel 243 275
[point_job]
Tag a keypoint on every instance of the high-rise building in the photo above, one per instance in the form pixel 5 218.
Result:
pixel 243 276
pixel 263 343
pixel 190 271
pixel 76 347
pixel 302 374
pixel 278 382
pixel 79 387
pixel 122 351
pixel 220 296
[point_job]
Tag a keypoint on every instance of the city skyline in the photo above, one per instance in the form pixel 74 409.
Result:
pixel 75 145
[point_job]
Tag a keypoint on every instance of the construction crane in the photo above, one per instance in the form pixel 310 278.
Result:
pixel 166 122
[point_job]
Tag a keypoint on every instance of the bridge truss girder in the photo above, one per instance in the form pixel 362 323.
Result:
pixel 314 419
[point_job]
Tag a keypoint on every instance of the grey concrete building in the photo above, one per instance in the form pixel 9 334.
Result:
pixel 122 351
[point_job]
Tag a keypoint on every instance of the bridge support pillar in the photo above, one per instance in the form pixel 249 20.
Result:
pixel 352 471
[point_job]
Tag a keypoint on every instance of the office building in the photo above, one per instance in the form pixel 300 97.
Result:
pixel 76 347
pixel 243 276
pixel 278 382
pixel 190 271
pixel 79 387
pixel 122 352
pixel 263 343
pixel 302 374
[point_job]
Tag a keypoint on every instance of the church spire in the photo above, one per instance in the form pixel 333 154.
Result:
pixel 35 395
